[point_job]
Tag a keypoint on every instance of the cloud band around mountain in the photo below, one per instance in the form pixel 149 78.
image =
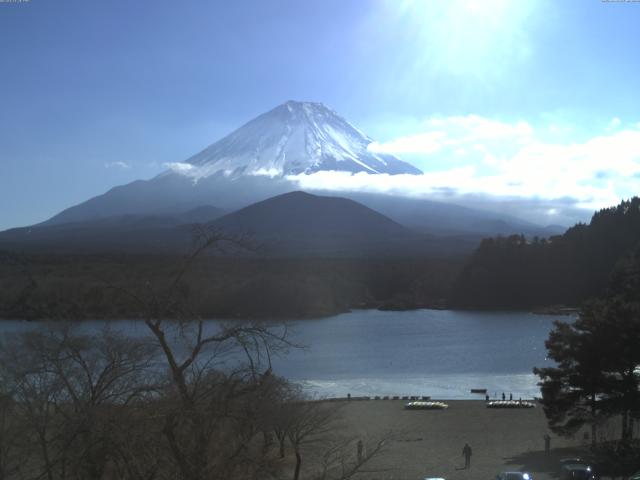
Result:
pixel 475 160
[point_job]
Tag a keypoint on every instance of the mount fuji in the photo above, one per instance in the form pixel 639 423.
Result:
pixel 294 138
pixel 254 163
pixel 249 165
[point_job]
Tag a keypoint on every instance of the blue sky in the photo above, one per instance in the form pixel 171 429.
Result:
pixel 516 100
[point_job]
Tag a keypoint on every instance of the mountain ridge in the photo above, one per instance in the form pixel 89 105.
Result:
pixel 299 222
pixel 294 224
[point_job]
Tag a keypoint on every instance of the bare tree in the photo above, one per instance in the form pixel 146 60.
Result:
pixel 310 423
pixel 193 400
pixel 70 391
pixel 316 427
pixel 338 461
pixel 11 454
pixel 215 371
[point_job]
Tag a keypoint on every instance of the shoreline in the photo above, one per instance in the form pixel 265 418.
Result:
pixel 380 307
pixel 420 398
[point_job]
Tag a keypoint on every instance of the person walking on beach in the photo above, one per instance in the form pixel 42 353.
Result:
pixel 466 453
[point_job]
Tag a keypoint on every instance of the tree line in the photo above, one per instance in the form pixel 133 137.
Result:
pixel 32 286
pixel 515 272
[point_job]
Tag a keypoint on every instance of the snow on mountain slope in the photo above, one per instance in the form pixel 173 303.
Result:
pixel 294 138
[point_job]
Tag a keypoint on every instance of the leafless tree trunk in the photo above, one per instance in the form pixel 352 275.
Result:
pixel 205 394
pixel 310 422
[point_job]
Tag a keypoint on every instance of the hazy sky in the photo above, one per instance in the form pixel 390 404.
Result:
pixel 525 101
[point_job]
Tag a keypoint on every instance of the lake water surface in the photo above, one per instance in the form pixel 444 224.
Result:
pixel 441 353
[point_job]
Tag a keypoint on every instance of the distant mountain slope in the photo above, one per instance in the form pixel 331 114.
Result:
pixel 510 272
pixel 298 221
pixel 171 193
pixel 300 213
pixel 294 224
pixel 130 232
pixel 439 218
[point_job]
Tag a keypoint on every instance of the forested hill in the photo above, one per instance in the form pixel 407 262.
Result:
pixel 512 272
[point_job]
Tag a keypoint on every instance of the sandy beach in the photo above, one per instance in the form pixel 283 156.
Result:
pixel 430 441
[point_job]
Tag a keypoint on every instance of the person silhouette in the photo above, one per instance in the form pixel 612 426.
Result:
pixel 503 396
pixel 511 396
pixel 466 453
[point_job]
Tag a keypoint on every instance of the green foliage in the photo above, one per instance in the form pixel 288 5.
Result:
pixel 572 392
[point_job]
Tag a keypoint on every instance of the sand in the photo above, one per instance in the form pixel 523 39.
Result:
pixel 431 441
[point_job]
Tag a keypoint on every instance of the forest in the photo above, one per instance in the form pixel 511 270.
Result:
pixel 90 286
pixel 518 273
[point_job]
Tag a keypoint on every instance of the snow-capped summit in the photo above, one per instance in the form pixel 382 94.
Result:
pixel 294 138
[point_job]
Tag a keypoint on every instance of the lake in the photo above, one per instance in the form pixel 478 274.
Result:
pixel 441 353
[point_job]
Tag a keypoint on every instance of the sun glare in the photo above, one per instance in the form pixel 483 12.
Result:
pixel 482 38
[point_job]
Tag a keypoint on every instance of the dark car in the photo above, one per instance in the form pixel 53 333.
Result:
pixel 576 469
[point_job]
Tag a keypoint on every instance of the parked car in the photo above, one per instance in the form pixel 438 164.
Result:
pixel 576 469
pixel 514 476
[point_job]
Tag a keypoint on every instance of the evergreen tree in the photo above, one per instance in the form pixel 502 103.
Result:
pixel 572 391
pixel 597 373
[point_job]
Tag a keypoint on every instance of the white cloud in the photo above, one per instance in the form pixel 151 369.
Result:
pixel 458 133
pixel 266 172
pixel 429 142
pixel 180 167
pixel 504 161
pixel 197 172
pixel 480 161
pixel 119 164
